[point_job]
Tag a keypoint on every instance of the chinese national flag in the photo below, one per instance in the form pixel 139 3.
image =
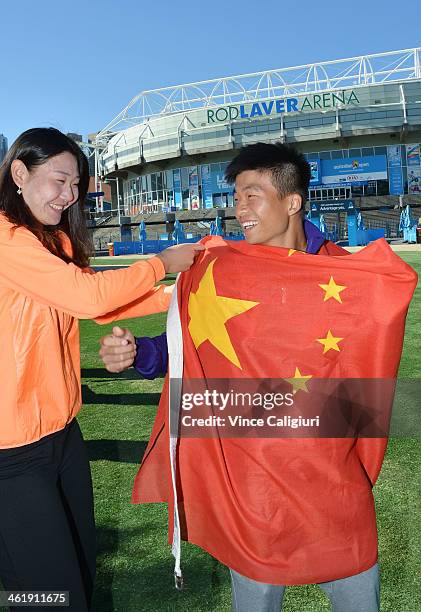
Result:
pixel 282 511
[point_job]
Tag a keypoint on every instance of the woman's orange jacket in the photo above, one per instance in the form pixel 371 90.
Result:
pixel 41 298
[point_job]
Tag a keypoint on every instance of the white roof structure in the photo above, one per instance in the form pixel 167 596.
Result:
pixel 353 72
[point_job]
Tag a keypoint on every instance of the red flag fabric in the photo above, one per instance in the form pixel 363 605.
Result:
pixel 282 511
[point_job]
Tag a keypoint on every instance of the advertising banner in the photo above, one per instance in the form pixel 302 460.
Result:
pixel 177 188
pixel 328 206
pixel 194 188
pixel 354 169
pixel 394 160
pixel 413 157
pixel 315 171
pixel 207 186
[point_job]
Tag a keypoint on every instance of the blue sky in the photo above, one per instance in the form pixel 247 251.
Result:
pixel 75 65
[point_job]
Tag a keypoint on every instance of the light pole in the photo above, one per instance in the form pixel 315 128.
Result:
pixel 107 180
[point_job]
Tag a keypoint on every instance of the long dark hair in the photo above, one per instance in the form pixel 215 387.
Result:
pixel 34 147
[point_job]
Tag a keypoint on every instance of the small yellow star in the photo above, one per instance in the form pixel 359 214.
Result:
pixel 291 252
pixel 332 290
pixel 299 381
pixel 330 342
pixel 209 313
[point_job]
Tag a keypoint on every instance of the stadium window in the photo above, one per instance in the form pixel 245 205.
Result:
pixel 371 188
pixel 337 154
pixel 356 190
pixel 367 151
pixel 325 155
pixel 262 128
pixel 184 179
pixel 148 183
pixel 354 152
pixel 274 127
pixel 394 113
pixel 382 188
pixel 380 151
pixel 289 124
pixel 316 121
pixel 153 182
pixel 250 130
pixel 347 117
pixel 169 179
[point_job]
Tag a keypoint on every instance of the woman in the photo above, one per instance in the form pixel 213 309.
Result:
pixel 47 531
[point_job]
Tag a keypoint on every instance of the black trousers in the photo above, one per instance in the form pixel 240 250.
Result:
pixel 47 527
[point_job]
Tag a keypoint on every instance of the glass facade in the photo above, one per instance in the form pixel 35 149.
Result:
pixel 204 186
pixel 188 188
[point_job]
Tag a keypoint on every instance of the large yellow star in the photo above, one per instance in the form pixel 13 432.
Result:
pixel 209 312
pixel 299 381
pixel 332 290
pixel 330 342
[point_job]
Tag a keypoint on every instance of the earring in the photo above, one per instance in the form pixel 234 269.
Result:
pixel 19 191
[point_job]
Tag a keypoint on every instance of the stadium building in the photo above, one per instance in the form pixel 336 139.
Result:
pixel 357 120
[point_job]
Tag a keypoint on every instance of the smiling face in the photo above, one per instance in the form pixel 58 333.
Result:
pixel 50 188
pixel 264 216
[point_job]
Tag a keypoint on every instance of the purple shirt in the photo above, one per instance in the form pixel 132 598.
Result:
pixel 152 353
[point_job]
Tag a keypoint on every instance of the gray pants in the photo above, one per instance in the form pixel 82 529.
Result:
pixel 359 593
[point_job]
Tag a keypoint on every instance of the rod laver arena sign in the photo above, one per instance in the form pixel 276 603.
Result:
pixel 279 106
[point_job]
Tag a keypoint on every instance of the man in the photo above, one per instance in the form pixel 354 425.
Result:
pixel 276 511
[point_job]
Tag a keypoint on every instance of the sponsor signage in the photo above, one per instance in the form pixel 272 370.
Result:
pixel 207 186
pixel 316 175
pixel 354 169
pixel 328 206
pixel 279 106
pixel 394 161
pixel 413 155
pixel 177 188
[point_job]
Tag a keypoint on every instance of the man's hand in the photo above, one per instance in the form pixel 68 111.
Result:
pixel 180 257
pixel 118 350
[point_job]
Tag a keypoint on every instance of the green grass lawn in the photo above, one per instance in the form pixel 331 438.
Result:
pixel 135 565
pixel 114 261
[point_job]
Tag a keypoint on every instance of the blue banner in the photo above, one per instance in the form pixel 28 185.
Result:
pixel 394 160
pixel 413 153
pixel 353 169
pixel 316 175
pixel 328 206
pixel 177 188
pixel 194 188
pixel 219 185
pixel 207 186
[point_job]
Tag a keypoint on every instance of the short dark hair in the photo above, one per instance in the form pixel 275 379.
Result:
pixel 34 147
pixel 288 169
